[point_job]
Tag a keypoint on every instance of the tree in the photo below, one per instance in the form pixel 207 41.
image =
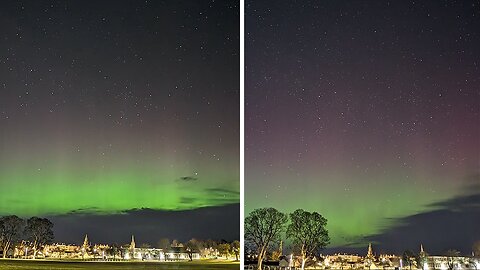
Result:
pixel 209 248
pixel 224 249
pixel 236 248
pixel 164 244
pixel 308 233
pixel 422 259
pixel 10 232
pixel 409 257
pixel 211 244
pixel 176 243
pixel 39 231
pixel 476 249
pixel 277 251
pixel 263 227
pixel 192 246
pixel 113 250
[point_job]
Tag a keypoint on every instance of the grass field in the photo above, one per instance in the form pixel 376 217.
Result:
pixel 63 265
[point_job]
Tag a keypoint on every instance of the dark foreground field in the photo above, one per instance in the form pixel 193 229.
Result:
pixel 55 265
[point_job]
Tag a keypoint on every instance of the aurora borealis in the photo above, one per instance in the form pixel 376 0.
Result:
pixel 367 112
pixel 126 113
pixel 117 105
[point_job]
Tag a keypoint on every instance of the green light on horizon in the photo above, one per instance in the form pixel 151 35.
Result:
pixel 52 192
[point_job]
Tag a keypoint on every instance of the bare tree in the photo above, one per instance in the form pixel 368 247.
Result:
pixel 263 227
pixel 224 249
pixel 10 232
pixel 39 231
pixel 209 248
pixel 164 244
pixel 236 248
pixel 192 246
pixel 113 250
pixel 409 257
pixel 176 243
pixel 307 232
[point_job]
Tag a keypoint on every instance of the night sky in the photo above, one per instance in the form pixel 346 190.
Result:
pixel 367 112
pixel 111 106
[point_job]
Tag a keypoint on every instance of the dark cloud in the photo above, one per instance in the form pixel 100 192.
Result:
pixel 450 224
pixel 87 210
pixel 222 191
pixel 462 204
pixel 149 225
pixel 188 178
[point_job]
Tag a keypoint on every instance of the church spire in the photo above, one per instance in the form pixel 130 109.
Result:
pixel 85 241
pixel 421 249
pixel 370 252
pixel 132 243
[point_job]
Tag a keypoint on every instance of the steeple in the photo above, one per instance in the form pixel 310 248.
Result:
pixel 421 249
pixel 132 244
pixel 85 242
pixel 370 252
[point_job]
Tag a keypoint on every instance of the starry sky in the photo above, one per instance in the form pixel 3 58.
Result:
pixel 117 105
pixel 367 112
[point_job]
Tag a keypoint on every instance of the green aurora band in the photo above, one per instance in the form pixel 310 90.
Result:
pixel 42 189
pixel 361 208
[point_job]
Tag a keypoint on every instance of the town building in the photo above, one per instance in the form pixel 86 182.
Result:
pixel 370 261
pixel 106 252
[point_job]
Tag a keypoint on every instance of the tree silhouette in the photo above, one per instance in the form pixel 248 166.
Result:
pixel 39 231
pixel 307 232
pixel 224 249
pixel 192 246
pixel 236 248
pixel 262 227
pixel 10 232
pixel 409 257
